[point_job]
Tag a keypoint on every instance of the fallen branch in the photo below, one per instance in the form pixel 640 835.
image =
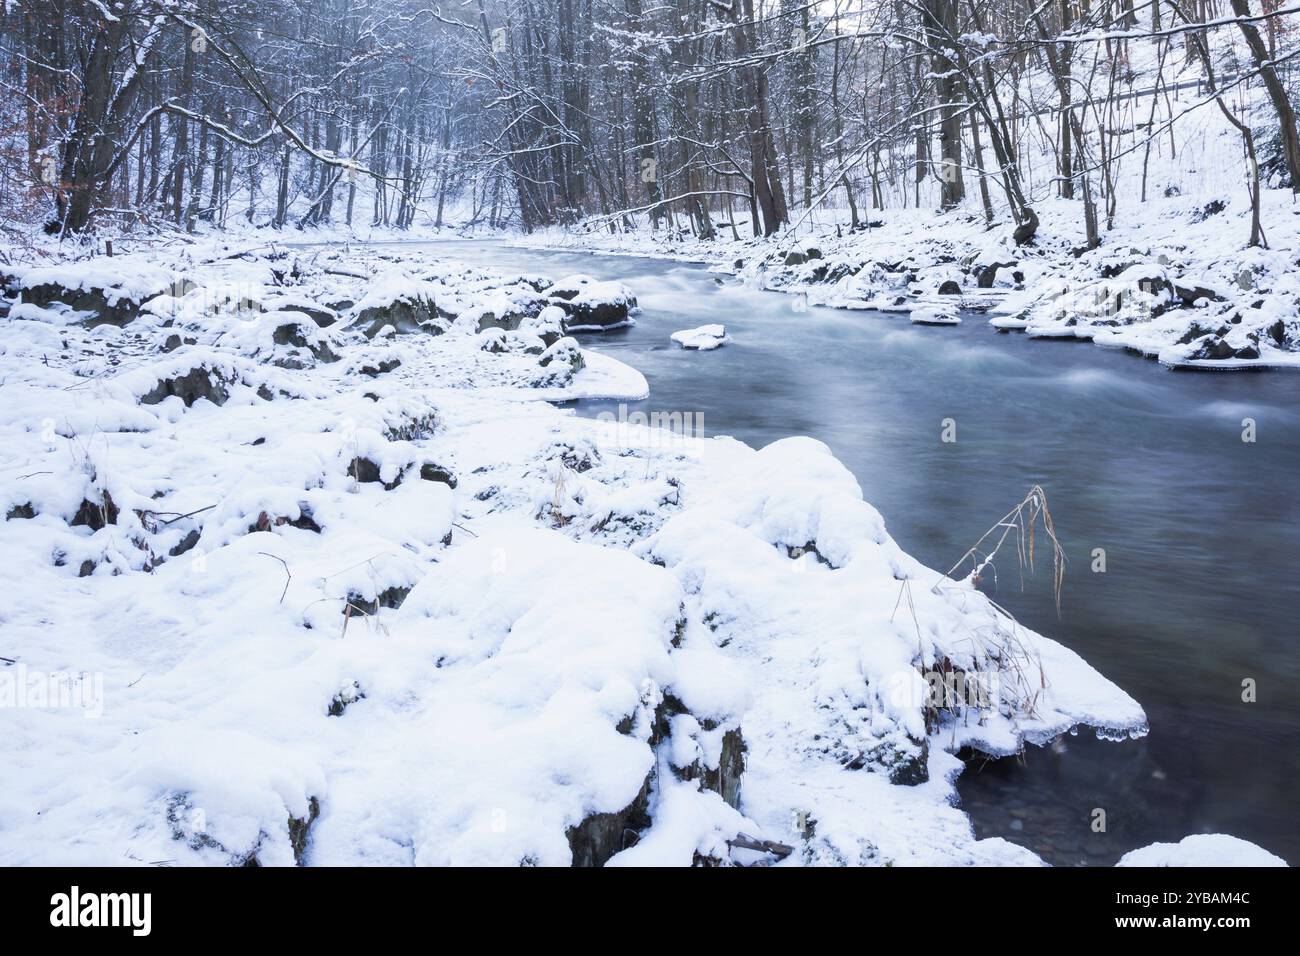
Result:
pixel 288 575
pixel 743 841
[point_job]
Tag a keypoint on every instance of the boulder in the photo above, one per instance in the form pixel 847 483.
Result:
pixel 492 340
pixel 106 308
pixel 704 338
pixel 406 305
pixel 366 471
pixel 190 386
pixel 432 471
pixel 565 352
pixel 509 319
pixel 301 334
pixel 1215 349
pixel 559 363
pixel 1191 292
pixel 377 367
pixel 989 274
pixel 322 315
pixel 592 306
pixel 547 325
pixel 935 315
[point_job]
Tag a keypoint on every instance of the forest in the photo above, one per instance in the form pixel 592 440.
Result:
pixel 694 115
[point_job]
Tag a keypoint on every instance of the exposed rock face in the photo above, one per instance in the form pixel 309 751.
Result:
pixel 322 315
pixel 602 835
pixel 1190 293
pixel 509 321
pixel 911 769
pixel 559 363
pixel 415 312
pixel 348 695
pixel 493 340
pixel 432 471
pixel 725 778
pixel 96 514
pixel 300 335
pixel 122 309
pixel 590 305
pixel 950 287
pixel 391 598
pixel 1215 347
pixel 547 325
pixel 731 769
pixel 831 273
pixel 299 830
pixel 1285 334
pixel 365 471
pixel 380 367
pixel 187 543
pixel 190 386
pixel 989 274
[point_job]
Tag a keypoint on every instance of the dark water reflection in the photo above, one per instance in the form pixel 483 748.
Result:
pixel 1200 529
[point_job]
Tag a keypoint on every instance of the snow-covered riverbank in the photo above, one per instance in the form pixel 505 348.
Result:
pixel 321 596
pixel 1182 287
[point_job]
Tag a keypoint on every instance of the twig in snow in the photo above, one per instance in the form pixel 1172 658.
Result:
pixel 288 575
pixel 190 514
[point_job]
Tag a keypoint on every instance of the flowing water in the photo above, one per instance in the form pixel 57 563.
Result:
pixel 1200 529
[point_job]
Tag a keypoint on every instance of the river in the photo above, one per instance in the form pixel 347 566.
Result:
pixel 1200 529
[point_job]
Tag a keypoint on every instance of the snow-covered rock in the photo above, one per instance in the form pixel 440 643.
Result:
pixel 935 315
pixel 704 338
pixel 104 290
pixel 1202 849
pixel 398 301
pixel 590 305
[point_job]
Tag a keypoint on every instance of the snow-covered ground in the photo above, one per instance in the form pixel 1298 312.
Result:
pixel 304 566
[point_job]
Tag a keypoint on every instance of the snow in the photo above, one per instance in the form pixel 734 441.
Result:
pixel 136 281
pixel 1202 849
pixel 704 338
pixel 934 316
pixel 424 616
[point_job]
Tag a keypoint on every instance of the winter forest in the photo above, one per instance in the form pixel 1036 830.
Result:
pixel 699 116
pixel 635 433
